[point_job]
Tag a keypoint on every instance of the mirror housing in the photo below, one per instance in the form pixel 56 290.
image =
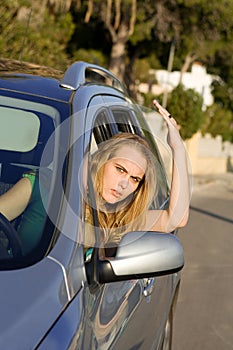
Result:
pixel 140 255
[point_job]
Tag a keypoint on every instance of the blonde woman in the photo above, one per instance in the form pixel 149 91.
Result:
pixel 124 178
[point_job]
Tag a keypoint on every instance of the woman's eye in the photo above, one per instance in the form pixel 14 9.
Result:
pixel 135 179
pixel 119 169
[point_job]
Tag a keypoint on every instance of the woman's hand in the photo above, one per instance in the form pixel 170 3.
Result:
pixel 174 139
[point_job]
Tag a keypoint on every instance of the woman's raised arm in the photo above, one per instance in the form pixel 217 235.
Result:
pixel 178 211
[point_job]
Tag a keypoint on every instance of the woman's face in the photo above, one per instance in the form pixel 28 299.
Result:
pixel 122 174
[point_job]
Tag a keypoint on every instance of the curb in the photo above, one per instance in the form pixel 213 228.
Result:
pixel 200 182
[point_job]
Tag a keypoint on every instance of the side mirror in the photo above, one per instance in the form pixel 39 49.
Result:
pixel 141 255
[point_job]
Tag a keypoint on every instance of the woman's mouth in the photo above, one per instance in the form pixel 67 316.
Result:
pixel 115 193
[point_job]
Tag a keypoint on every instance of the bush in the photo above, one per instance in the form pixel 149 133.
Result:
pixel 219 121
pixel 186 107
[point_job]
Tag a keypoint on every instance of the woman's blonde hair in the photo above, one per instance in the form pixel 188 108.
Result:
pixel 130 214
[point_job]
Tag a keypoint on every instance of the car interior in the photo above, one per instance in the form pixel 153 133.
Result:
pixel 20 152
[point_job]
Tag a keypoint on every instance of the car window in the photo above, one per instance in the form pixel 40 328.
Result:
pixel 104 127
pixel 23 137
pixel 124 120
pixel 26 128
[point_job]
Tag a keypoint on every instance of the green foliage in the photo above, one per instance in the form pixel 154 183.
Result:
pixel 154 61
pixel 204 30
pixel 47 46
pixel 144 23
pixel 91 55
pixel 223 95
pixel 219 121
pixel 219 116
pixel 147 99
pixel 141 70
pixel 222 62
pixel 30 37
pixel 186 106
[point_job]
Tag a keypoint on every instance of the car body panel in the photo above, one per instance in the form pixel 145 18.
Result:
pixel 68 331
pixel 38 290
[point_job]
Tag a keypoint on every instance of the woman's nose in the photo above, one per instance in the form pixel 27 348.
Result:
pixel 124 183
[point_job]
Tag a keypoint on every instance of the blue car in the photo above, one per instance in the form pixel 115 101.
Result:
pixel 52 296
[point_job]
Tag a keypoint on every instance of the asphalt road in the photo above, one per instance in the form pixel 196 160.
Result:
pixel 204 313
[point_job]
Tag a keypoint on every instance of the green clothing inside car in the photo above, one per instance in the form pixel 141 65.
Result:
pixel 32 221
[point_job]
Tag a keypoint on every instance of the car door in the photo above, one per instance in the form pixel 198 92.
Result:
pixel 129 314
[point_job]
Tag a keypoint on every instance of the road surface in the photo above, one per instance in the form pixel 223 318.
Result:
pixel 204 313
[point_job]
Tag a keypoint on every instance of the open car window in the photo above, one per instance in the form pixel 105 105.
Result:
pixel 124 120
pixel 128 120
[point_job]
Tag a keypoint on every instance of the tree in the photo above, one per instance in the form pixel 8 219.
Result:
pixel 31 32
pixel 129 29
pixel 196 27
pixel 219 121
pixel 186 106
pixel 204 30
pixel 119 19
pixel 219 116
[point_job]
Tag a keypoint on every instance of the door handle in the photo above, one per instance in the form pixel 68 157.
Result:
pixel 148 284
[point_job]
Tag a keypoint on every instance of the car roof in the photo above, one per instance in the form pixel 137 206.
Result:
pixel 34 85
pixel 32 79
pixel 50 83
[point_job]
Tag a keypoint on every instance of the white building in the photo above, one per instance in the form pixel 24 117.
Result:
pixel 197 79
